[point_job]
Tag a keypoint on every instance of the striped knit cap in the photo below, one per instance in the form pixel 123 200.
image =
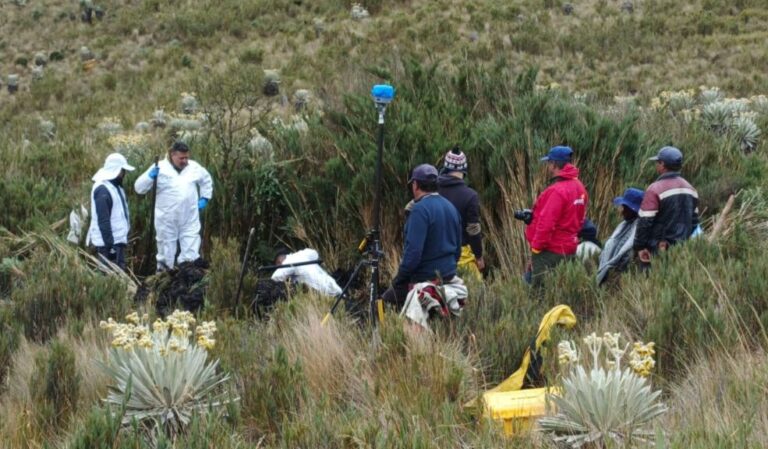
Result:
pixel 455 160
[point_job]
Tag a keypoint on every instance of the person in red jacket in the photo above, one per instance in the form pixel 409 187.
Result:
pixel 558 215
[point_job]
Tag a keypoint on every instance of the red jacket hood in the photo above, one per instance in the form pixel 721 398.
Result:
pixel 558 214
pixel 569 171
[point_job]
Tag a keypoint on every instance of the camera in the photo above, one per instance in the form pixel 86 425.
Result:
pixel 526 215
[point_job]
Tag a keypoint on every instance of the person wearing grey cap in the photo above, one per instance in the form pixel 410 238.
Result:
pixel 669 212
pixel 432 237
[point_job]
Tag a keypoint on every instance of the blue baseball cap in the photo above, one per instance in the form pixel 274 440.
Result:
pixel 558 154
pixel 631 198
pixel 669 155
pixel 423 173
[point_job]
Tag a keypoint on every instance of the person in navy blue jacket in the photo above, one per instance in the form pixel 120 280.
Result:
pixel 432 237
pixel 110 220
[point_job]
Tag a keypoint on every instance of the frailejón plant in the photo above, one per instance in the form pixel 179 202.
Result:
pixel 603 402
pixel 166 369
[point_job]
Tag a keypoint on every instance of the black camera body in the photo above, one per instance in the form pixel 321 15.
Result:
pixel 525 215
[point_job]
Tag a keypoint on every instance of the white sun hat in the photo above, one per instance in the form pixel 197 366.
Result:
pixel 112 166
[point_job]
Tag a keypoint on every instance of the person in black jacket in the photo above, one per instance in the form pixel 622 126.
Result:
pixel 669 212
pixel 452 186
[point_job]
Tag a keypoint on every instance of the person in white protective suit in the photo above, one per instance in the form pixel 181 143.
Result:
pixel 184 188
pixel 313 276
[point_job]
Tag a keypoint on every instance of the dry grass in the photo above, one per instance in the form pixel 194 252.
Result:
pixel 331 352
pixel 20 427
pixel 723 397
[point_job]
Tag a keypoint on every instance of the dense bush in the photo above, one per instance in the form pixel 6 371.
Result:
pixel 60 288
pixel 55 386
pixel 9 341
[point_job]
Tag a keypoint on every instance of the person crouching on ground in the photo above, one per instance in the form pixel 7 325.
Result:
pixel 617 253
pixel 432 237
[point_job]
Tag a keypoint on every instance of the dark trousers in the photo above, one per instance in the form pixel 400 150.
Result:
pixel 114 254
pixel 396 295
pixel 542 263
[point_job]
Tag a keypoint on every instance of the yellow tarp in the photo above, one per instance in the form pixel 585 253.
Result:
pixel 517 409
pixel 561 315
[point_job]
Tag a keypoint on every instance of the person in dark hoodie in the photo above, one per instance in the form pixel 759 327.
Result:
pixel 451 186
pixel 558 215
pixel 110 221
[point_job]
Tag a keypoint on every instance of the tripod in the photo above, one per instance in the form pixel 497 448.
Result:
pixel 370 247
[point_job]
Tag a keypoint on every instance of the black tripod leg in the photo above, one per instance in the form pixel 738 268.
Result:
pixel 345 290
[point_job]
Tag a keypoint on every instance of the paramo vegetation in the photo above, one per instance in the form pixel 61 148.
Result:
pixel 272 97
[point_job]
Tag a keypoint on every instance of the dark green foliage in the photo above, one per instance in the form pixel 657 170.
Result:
pixel 9 341
pixel 109 81
pixel 252 55
pixel 503 130
pixel 21 61
pixel 99 430
pixel 54 386
pixel 56 290
pixel 56 56
pixel 224 276
pixel 704 298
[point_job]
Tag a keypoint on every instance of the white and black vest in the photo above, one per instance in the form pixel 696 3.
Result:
pixel 119 219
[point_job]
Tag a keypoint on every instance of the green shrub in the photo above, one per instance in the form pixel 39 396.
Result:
pixel 56 55
pixel 9 341
pixel 109 81
pixel 224 276
pixel 55 386
pixel 252 55
pixel 99 430
pixel 59 287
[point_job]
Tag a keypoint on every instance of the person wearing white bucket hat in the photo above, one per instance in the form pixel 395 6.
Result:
pixel 184 188
pixel 110 219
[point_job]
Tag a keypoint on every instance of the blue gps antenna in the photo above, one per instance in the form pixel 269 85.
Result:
pixel 382 93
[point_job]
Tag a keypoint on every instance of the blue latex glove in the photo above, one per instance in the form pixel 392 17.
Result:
pixel 153 173
pixel 201 203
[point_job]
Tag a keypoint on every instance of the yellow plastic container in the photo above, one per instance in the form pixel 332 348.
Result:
pixel 517 410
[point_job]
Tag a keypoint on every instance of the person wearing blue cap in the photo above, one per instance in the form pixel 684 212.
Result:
pixel 432 237
pixel 669 213
pixel 617 253
pixel 558 215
